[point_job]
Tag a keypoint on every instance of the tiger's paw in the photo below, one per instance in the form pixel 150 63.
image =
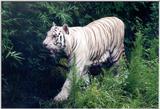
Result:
pixel 60 98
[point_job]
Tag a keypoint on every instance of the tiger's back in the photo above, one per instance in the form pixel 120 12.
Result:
pixel 105 39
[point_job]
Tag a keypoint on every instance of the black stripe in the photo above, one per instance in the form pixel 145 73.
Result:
pixel 64 40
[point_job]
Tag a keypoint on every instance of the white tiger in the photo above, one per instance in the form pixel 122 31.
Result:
pixel 100 41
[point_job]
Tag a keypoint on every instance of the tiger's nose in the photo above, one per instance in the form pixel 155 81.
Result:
pixel 44 44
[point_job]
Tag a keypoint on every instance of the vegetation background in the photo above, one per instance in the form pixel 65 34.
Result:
pixel 31 78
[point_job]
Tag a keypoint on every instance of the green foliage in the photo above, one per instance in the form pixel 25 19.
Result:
pixel 31 78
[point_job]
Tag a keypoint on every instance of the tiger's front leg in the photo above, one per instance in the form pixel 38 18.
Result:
pixel 65 92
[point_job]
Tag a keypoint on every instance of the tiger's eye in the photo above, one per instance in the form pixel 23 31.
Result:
pixel 55 43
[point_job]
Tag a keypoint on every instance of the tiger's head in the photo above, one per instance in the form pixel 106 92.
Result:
pixel 55 39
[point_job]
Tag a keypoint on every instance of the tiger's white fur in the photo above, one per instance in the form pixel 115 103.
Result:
pixel 98 42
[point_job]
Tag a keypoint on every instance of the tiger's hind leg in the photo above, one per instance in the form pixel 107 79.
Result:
pixel 117 65
pixel 116 70
pixel 116 61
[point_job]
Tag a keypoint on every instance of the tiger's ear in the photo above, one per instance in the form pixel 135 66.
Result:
pixel 66 29
pixel 53 24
